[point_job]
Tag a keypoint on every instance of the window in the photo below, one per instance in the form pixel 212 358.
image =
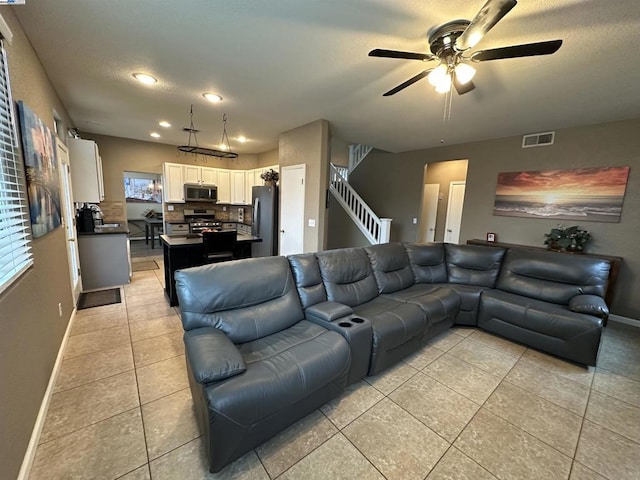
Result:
pixel 15 250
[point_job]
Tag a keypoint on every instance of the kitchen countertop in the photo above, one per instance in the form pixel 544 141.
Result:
pixel 195 239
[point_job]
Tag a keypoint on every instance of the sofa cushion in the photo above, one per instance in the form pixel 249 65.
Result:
pixel 391 267
pixel 246 299
pixel 552 277
pixel 347 276
pixel 306 274
pixel 427 262
pixel 473 265
pixel 281 370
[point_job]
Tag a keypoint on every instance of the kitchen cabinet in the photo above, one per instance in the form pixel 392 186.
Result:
pixel 238 188
pixel 200 175
pixel 86 171
pixel 173 178
pixel 224 186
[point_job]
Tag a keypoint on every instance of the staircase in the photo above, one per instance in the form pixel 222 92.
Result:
pixel 357 154
pixel 375 229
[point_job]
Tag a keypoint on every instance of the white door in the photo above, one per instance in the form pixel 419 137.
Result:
pixel 430 207
pixel 292 188
pixel 68 213
pixel 454 212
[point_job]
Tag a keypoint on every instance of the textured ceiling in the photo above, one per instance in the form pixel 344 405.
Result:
pixel 280 64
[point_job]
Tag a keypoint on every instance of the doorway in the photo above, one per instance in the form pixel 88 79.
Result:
pixel 437 181
pixel 292 192
pixel 68 213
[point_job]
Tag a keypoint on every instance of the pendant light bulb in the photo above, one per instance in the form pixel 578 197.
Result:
pixel 464 73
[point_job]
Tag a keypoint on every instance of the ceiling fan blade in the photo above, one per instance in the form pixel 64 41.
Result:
pixel 404 85
pixel 487 17
pixel 379 52
pixel 462 88
pixel 515 51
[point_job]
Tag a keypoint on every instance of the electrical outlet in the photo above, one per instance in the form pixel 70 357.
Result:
pixel 224 209
pixel 60 310
pixel 312 222
pixel 415 221
pixel 170 208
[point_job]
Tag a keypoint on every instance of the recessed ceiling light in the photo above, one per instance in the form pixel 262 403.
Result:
pixel 241 139
pixel 144 78
pixel 164 124
pixel 212 97
pixel 155 134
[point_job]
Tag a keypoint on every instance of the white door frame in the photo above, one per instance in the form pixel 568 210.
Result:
pixel 453 216
pixel 69 219
pixel 286 212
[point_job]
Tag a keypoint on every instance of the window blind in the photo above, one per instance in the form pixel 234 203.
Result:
pixel 15 238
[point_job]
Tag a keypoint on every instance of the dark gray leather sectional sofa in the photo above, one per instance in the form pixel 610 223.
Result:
pixel 269 340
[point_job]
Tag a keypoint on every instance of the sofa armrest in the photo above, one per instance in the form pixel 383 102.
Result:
pixel 589 304
pixel 328 311
pixel 212 356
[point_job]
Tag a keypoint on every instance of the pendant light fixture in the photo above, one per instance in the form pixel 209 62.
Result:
pixel 225 148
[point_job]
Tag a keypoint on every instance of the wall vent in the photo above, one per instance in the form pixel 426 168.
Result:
pixel 538 139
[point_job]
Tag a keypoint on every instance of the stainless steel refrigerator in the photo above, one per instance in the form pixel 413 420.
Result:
pixel 265 221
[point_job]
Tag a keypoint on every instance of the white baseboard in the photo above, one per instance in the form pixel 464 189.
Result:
pixel 625 320
pixel 30 454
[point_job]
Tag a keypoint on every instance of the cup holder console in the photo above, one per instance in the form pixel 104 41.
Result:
pixel 357 320
pixel 345 324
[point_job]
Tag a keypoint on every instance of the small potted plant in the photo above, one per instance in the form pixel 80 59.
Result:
pixel 570 239
pixel 270 177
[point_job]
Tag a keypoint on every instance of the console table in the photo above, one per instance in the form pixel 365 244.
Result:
pixel 614 262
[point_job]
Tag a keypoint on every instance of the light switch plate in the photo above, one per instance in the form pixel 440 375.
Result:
pixel 415 221
pixel 312 222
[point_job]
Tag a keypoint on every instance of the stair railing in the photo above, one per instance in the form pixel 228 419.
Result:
pixel 375 229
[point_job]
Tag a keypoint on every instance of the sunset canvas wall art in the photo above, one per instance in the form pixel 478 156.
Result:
pixel 586 194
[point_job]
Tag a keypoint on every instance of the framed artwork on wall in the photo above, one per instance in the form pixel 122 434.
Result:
pixel 582 194
pixel 41 169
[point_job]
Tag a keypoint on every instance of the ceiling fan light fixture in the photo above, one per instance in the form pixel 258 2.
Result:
pixel 445 85
pixel 464 73
pixel 438 75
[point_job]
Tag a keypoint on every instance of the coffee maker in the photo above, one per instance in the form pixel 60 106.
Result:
pixel 84 220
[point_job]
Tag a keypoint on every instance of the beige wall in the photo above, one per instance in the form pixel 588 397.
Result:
pixel 268 158
pixel 309 145
pixel 31 329
pixel 391 184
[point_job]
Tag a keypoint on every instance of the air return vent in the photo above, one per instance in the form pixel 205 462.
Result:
pixel 538 139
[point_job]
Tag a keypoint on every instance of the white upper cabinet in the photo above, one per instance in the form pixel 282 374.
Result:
pixel 173 189
pixel 224 185
pixel 86 171
pixel 238 187
pixel 209 176
pixel 200 175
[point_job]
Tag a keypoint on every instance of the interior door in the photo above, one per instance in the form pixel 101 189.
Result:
pixel 454 212
pixel 68 213
pixel 292 189
pixel 430 208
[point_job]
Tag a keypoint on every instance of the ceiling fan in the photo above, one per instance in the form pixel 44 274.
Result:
pixel 450 43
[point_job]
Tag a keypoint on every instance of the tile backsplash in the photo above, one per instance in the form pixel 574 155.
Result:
pixel 230 215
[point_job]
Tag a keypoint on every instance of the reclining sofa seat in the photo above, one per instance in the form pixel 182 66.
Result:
pixel 398 327
pixel 396 280
pixel 255 365
pixel 552 302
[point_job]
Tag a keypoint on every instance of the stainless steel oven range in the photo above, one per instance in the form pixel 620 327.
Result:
pixel 201 219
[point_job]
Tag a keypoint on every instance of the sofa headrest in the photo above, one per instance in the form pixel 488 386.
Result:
pixel 231 296
pixel 427 262
pixel 391 267
pixel 306 274
pixel 473 264
pixel 551 276
pixel 347 276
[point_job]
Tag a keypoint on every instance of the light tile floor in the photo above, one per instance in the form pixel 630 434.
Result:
pixel 469 405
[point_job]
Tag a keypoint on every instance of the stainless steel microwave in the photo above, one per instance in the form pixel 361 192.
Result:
pixel 200 193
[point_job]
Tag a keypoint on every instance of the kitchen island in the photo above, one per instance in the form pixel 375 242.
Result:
pixel 184 251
